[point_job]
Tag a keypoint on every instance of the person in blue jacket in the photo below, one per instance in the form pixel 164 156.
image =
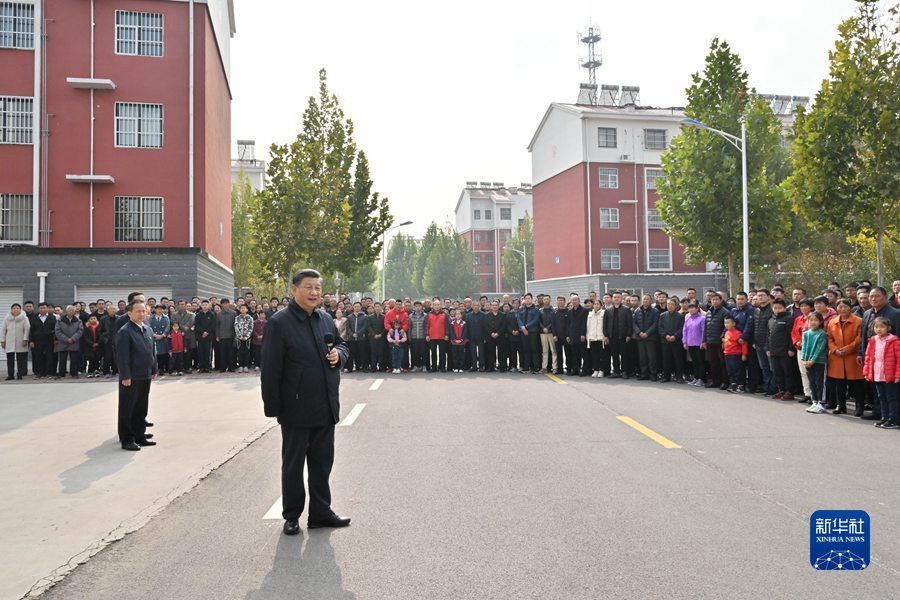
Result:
pixel 646 324
pixel 529 319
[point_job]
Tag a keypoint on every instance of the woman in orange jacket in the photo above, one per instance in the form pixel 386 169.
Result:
pixel 843 370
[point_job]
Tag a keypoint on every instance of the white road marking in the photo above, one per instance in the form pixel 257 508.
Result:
pixel 275 511
pixel 376 384
pixel 352 415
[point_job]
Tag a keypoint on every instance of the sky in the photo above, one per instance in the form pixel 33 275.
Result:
pixel 444 93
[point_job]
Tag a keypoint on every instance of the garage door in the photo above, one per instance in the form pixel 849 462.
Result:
pixel 92 293
pixel 8 296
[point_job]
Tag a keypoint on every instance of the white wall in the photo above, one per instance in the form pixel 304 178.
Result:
pixel 558 146
pixel 630 138
pixel 464 213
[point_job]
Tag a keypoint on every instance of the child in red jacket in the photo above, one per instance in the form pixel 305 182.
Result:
pixel 459 338
pixel 735 350
pixel 176 347
pixel 882 368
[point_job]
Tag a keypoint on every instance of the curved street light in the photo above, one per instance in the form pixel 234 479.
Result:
pixel 524 264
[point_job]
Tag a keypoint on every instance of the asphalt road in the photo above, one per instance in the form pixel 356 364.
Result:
pixel 515 486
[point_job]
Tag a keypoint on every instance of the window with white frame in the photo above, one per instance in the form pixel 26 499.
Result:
pixel 139 125
pixel 653 176
pixel 17 25
pixel 610 259
pixel 609 178
pixel 16 120
pixel 489 259
pixel 660 259
pixel 488 214
pixel 609 218
pixel 521 222
pixel 655 139
pixel 477 260
pixel 654 221
pixel 477 237
pixel 606 137
pixel 16 213
pixel 504 236
pixel 139 33
pixel 138 219
pixel 505 214
pixel 476 215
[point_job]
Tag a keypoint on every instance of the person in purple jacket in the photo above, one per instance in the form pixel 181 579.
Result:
pixel 692 338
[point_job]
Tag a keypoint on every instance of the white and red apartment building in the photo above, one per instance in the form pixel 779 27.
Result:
pixel 487 215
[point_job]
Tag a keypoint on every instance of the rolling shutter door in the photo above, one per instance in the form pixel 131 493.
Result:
pixel 9 296
pixel 92 293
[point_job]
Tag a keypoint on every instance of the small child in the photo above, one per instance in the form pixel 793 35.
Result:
pixel 735 350
pixel 814 358
pixel 92 345
pixel 176 347
pixel 882 368
pixel 459 338
pixel 243 331
pixel 259 327
pixel 396 339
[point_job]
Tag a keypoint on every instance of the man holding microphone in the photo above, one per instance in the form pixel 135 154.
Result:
pixel 302 356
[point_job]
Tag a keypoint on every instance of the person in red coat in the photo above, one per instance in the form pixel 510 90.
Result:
pixel 437 337
pixel 882 368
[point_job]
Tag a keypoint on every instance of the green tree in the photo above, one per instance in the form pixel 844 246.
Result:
pixel 450 267
pixel 318 208
pixel 400 268
pixel 847 148
pixel 363 281
pixel 512 261
pixel 700 197
pixel 425 248
pixel 244 257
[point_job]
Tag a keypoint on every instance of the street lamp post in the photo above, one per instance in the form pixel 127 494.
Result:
pixel 741 144
pixel 384 256
pixel 524 264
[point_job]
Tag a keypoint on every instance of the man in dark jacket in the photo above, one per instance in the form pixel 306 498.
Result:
pixel 494 332
pixel 514 335
pixel 205 332
pixel 743 314
pixel 712 337
pixel 107 336
pixel 376 333
pixel 474 318
pixel 671 329
pixel 761 316
pixel 357 340
pixel 577 337
pixel 559 324
pixel 781 349
pixel 136 360
pixel 225 336
pixel 646 323
pixel 42 334
pixel 69 329
pixel 300 378
pixel 617 327
pixel 530 325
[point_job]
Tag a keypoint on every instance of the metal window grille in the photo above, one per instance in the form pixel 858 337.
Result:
pixel 606 137
pixel 652 176
pixel 488 215
pixel 16 213
pixel 654 221
pixel 655 139
pixel 610 259
pixel 660 258
pixel 489 259
pixel 16 120
pixel 16 25
pixel 505 214
pixel 139 125
pixel 477 238
pixel 609 218
pixel 477 215
pixel 609 178
pixel 138 219
pixel 139 33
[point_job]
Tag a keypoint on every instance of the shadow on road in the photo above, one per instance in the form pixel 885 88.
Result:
pixel 102 461
pixel 314 573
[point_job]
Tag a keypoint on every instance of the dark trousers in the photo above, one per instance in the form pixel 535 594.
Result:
pixel 12 358
pixel 42 358
pixel 632 357
pixel 490 353
pixel 580 359
pixel 836 392
pixel 754 372
pixel 563 355
pixel 531 351
pixel 617 354
pixel 437 350
pixel 376 357
pixel 458 357
pixel 598 354
pixel 698 362
pixel 737 372
pixel 418 350
pixel 673 359
pixel 162 361
pixel 74 359
pixel 109 360
pixel 816 374
pixel 783 374
pixel 225 359
pixel 765 369
pixel 204 353
pixel 715 359
pixel 257 356
pixel 476 354
pixel 647 357
pixel 503 353
pixel 358 352
pixel 92 360
pixel 313 446
pixel 133 403
pixel 888 399
pixel 177 362
pixel 243 352
pixel 515 345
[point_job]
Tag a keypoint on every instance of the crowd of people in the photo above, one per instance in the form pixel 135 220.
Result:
pixel 820 350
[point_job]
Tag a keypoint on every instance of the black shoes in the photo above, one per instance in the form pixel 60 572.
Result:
pixel 291 527
pixel 332 521
pixel 145 442
pixel 147 423
pixel 148 436
pixel 130 446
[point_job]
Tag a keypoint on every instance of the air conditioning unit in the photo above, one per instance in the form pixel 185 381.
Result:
pixel 624 157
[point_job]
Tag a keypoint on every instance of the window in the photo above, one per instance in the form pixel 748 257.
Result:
pixel 505 214
pixel 139 125
pixel 16 120
pixel 477 260
pixel 607 137
pixel 609 218
pixel 138 219
pixel 489 259
pixel 476 215
pixel 15 218
pixel 521 222
pixel 660 259
pixel 609 178
pixel 139 33
pixel 610 259
pixel 652 176
pixel 504 236
pixel 655 139
pixel 17 26
pixel 654 221
pixel 477 237
pixel 488 215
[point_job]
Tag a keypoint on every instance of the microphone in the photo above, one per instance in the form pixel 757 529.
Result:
pixel 328 338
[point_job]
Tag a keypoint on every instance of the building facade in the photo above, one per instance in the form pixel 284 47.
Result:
pixel 246 165
pixel 487 215
pixel 115 141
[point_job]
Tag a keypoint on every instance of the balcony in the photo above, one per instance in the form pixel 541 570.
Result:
pixel 90 83
pixel 90 178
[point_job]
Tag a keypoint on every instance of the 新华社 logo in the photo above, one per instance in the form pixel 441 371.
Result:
pixel 839 540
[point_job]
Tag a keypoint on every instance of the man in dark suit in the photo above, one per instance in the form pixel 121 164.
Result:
pixel 137 366
pixel 300 378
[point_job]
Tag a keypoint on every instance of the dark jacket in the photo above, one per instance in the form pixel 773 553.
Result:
pixel 69 329
pixel 135 356
pixel 578 323
pixel 494 324
pixel 225 324
pixel 356 324
pixel 298 385
pixel 868 322
pixel 646 320
pixel 42 333
pixel 375 326
pixel 205 322
pixel 559 324
pixel 512 327
pixel 743 321
pixel 780 342
pixel 547 319
pixel 671 324
pixel 618 323
pixel 715 325
pixel 530 318
pixel 475 320
pixel 761 318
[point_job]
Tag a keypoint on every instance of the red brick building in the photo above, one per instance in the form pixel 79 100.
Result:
pixel 115 144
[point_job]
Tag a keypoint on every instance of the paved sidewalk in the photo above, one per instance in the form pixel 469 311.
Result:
pixel 68 488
